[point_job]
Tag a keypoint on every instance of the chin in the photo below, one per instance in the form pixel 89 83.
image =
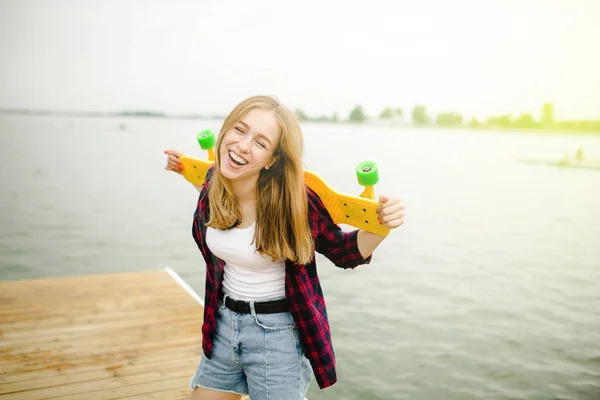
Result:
pixel 227 173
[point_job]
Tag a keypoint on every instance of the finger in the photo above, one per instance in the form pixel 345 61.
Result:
pixel 392 208
pixel 170 168
pixel 174 160
pixel 173 153
pixel 388 218
pixel 391 218
pixel 382 199
pixel 175 167
pixel 395 223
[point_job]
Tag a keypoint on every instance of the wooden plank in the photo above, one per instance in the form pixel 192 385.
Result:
pixel 114 318
pixel 115 368
pixel 176 394
pixel 100 337
pixel 121 386
pixel 103 304
pixel 72 335
pixel 60 351
pixel 160 366
pixel 48 360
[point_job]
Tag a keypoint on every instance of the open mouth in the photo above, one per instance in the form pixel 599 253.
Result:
pixel 237 160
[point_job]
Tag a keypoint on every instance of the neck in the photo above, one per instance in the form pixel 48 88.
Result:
pixel 244 190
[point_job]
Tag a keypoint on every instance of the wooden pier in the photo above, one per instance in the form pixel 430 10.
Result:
pixel 129 336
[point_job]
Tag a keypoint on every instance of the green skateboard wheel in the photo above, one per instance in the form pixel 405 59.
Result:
pixel 367 173
pixel 206 139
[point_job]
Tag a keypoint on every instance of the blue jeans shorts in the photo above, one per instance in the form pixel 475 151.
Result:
pixel 256 354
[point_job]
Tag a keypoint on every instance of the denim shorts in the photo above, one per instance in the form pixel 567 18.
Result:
pixel 256 354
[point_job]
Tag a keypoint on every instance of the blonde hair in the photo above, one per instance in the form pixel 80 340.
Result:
pixel 282 230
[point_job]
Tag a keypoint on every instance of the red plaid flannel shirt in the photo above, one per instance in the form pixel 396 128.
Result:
pixel 302 288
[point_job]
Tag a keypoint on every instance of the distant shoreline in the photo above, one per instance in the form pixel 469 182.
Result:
pixel 141 114
pixel 372 123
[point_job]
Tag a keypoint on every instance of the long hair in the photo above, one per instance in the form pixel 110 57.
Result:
pixel 282 230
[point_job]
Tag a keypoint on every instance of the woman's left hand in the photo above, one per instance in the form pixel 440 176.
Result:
pixel 391 211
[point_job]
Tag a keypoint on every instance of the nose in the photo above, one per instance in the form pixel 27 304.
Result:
pixel 244 144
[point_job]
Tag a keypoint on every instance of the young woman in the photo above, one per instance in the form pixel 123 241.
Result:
pixel 258 226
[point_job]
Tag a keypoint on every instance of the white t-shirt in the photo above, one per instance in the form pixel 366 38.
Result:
pixel 248 275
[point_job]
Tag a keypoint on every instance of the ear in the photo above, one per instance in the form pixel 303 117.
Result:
pixel 273 161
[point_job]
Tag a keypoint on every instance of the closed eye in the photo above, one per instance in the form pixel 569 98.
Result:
pixel 261 144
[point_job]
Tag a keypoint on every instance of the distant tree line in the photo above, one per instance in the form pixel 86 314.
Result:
pixel 156 114
pixel 420 117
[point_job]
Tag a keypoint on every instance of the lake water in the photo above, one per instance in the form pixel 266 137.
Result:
pixel 490 290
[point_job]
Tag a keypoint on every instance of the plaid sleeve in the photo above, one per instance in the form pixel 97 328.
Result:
pixel 340 247
pixel 209 173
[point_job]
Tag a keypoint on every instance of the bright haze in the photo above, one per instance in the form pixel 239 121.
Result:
pixel 476 57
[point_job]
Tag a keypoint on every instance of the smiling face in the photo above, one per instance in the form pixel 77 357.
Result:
pixel 249 146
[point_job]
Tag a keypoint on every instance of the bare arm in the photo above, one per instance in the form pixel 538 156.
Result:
pixel 391 214
pixel 368 242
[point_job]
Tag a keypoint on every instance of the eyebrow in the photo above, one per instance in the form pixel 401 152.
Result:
pixel 258 134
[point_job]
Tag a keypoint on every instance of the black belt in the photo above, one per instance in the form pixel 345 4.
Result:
pixel 261 307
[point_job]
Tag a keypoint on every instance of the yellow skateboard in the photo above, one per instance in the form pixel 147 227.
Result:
pixel 358 211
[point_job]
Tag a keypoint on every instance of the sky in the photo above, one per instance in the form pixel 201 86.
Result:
pixel 476 57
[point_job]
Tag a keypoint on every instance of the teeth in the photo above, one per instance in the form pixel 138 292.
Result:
pixel 237 159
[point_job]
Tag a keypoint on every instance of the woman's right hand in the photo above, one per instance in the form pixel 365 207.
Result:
pixel 173 163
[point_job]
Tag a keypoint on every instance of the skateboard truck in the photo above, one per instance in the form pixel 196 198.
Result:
pixel 368 176
pixel 206 140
